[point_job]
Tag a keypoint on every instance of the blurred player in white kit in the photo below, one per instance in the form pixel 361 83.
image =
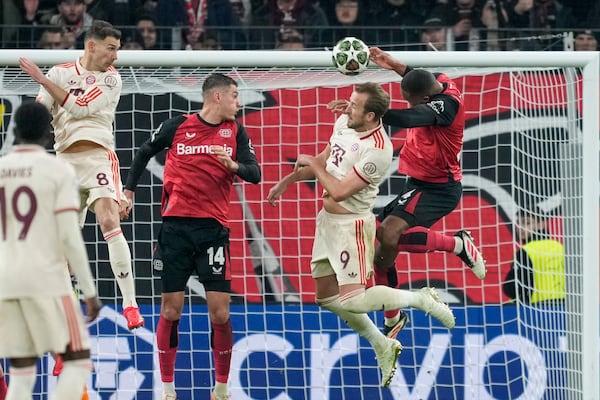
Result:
pixel 39 235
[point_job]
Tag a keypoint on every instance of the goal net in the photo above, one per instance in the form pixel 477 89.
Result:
pixel 530 146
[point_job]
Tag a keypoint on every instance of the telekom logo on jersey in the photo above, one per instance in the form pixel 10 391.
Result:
pixel 183 149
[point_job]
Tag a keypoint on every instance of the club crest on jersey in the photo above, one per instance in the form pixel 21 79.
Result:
pixel 110 81
pixel 226 133
pixel 437 106
pixel 90 79
pixel 370 168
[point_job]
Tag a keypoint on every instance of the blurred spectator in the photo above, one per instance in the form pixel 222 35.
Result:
pixel 279 15
pixel 146 27
pixel 195 16
pixel 433 35
pixel 290 39
pixel 548 15
pixel 242 9
pixel 464 16
pixel 585 40
pixel 347 21
pixel 402 16
pixel 19 19
pixel 542 17
pixel 582 10
pixel 207 41
pixel 503 15
pixel 493 17
pixel 74 20
pixel 117 12
pixel 147 7
pixel 593 17
pixel 132 40
pixel 52 38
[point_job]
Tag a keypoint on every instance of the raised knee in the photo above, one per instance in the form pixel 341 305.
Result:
pixel 219 316
pixel 387 238
pixel 354 303
pixel 326 302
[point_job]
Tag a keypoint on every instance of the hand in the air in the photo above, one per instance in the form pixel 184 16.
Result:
pixel 338 106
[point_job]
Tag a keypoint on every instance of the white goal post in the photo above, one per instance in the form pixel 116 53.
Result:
pixel 286 348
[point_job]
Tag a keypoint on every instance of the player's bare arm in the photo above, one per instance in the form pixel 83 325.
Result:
pixel 338 106
pixel 58 94
pixel 129 196
pixel 298 174
pixel 385 60
pixel 92 308
pixel 124 207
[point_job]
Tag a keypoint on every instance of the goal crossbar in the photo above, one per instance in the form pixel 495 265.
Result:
pixel 309 59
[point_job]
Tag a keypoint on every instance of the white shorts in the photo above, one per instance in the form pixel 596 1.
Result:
pixel 98 175
pixel 30 327
pixel 345 246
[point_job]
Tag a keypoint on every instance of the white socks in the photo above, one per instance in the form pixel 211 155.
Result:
pixel 380 297
pixel 168 387
pixel 220 389
pixel 458 246
pixel 72 379
pixel 360 323
pixel 22 381
pixel 120 262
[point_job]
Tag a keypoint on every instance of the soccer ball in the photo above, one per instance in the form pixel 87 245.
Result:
pixel 350 56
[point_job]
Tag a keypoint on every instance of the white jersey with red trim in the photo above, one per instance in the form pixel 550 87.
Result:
pixel 88 112
pixel 368 153
pixel 34 187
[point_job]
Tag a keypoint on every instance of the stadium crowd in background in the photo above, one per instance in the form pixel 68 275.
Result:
pixel 256 24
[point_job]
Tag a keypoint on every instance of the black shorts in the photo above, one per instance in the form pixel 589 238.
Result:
pixel 193 245
pixel 423 203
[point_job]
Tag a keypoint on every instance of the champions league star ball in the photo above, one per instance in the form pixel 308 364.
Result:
pixel 350 56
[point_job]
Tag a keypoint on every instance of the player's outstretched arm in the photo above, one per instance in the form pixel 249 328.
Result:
pixel 31 69
pixel 385 60
pixel 280 187
pixel 338 106
pixel 299 173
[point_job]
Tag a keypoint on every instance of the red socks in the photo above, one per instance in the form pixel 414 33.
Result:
pixel 419 239
pixel 3 388
pixel 222 343
pixel 167 341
